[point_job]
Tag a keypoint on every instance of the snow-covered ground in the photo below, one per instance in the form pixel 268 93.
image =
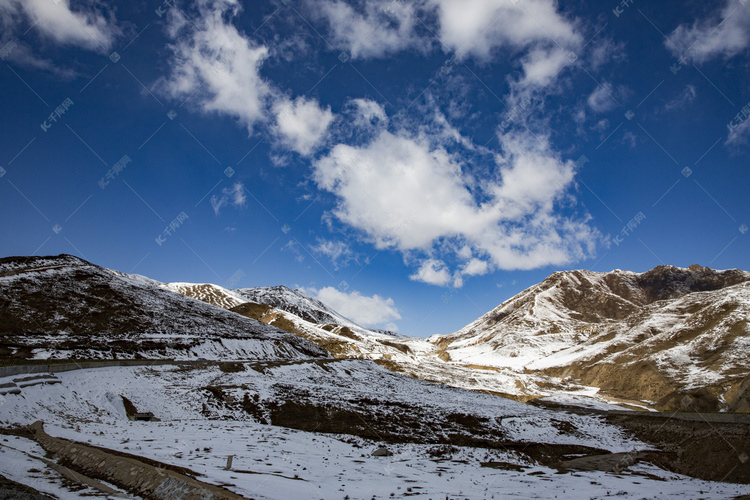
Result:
pixel 277 462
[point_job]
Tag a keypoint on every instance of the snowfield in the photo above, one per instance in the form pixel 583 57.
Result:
pixel 273 462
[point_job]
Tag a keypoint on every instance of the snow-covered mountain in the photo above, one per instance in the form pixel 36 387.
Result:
pixel 647 339
pixel 669 338
pixel 676 337
pixel 65 307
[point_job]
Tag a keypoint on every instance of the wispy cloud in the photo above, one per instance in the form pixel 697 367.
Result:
pixel 234 196
pixel 725 33
pixel 86 27
pixel 686 97
pixel 338 252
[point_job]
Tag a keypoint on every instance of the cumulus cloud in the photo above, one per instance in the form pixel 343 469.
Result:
pixel 541 65
pixel 301 124
pixel 375 30
pixel 363 310
pixel 432 271
pixel 475 267
pixel 405 193
pixel 725 33
pixel 477 27
pixel 85 27
pixel 216 64
pixel 234 196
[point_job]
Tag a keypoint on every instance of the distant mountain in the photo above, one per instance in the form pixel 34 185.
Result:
pixel 65 307
pixel 669 338
pixel 297 303
pixel 676 337
pixel 207 292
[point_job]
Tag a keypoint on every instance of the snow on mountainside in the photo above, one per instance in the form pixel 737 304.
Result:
pixel 415 357
pixel 65 307
pixel 207 292
pixel 297 303
pixel 657 336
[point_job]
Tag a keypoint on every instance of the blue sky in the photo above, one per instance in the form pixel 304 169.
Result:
pixel 411 163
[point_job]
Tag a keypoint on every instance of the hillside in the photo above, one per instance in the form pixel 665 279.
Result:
pixel 65 307
pixel 674 337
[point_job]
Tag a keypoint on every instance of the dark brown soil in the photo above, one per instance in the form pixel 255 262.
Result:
pixel 705 450
pixel 11 490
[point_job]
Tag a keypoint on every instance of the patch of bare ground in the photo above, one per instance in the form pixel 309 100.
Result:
pixel 706 450
pixel 393 422
pixel 11 490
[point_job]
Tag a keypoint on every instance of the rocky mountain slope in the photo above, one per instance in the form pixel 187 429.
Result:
pixel 65 307
pixel 674 337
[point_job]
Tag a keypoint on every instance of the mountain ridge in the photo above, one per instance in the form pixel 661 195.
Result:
pixel 669 338
pixel 670 332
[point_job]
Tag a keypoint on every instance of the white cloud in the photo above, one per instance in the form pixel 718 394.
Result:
pixel 433 272
pixel 602 99
pixel 406 194
pixel 725 34
pixel 87 28
pixel 363 310
pixel 301 124
pixel 630 139
pixel 605 51
pixel 739 134
pixel 216 64
pixel 541 65
pixel 686 97
pixel 376 30
pixel 234 196
pixel 368 113
pixel 475 267
pixel 477 27
pixel 338 252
